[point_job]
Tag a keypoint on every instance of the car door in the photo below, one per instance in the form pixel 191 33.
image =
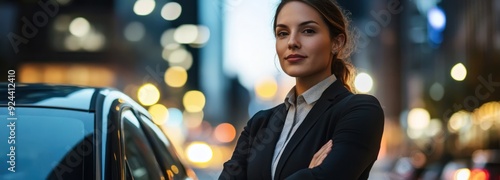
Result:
pixel 139 155
pixel 165 152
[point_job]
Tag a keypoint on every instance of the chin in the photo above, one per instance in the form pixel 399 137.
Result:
pixel 295 73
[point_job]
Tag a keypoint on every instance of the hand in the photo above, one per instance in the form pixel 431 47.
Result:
pixel 321 154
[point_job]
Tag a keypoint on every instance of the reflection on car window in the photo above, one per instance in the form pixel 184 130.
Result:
pixel 49 144
pixel 167 153
pixel 138 152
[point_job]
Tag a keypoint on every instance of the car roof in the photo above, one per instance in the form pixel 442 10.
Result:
pixel 56 96
pixel 73 97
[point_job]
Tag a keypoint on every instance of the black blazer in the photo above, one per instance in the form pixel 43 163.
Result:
pixel 355 128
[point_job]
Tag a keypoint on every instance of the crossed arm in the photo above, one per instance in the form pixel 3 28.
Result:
pixel 356 143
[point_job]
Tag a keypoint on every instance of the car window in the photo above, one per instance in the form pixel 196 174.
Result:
pixel 165 150
pixel 138 151
pixel 46 143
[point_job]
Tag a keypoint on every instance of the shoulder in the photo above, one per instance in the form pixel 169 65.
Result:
pixel 261 116
pixel 363 101
pixel 364 98
pixel 268 112
pixel 362 107
pixel 365 109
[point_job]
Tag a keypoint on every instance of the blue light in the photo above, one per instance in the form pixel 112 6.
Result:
pixel 437 18
pixel 174 117
pixel 435 36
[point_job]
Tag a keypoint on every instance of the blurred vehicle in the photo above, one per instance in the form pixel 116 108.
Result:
pixel 486 164
pixel 69 132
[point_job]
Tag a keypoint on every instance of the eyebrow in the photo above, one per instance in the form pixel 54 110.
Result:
pixel 301 24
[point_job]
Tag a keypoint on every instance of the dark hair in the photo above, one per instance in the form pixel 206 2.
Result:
pixel 338 23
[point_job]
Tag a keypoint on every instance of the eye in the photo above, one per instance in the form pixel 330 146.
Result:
pixel 309 31
pixel 281 34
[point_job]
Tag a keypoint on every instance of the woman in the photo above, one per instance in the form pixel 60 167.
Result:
pixel 322 130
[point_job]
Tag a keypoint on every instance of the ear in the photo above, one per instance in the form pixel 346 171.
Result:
pixel 338 42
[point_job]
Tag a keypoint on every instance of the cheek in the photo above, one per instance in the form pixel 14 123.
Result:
pixel 320 49
pixel 280 49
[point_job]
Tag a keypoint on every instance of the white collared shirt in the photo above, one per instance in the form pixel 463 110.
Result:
pixel 297 112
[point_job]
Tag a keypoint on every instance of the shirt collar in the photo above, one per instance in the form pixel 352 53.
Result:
pixel 312 94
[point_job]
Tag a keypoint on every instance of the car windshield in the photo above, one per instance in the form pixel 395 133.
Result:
pixel 42 143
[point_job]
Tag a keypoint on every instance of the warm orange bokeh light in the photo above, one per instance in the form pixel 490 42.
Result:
pixel 479 174
pixel 225 132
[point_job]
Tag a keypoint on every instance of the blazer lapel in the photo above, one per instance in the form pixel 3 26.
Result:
pixel 312 117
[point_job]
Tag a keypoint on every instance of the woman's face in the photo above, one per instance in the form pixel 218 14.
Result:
pixel 303 42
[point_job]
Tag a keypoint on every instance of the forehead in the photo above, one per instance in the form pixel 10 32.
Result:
pixel 296 12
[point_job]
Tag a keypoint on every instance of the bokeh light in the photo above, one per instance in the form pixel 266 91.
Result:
pixel 266 88
pixel 166 39
pixel 159 113
pixel 418 118
pixel 193 120
pixel 437 18
pixel 203 35
pixel 194 101
pixel 144 7
pixel 180 57
pixel 176 76
pixel 174 118
pixel 225 132
pixel 199 152
pixel 436 91
pixel 363 83
pixel 458 120
pixel 186 34
pixel 461 174
pixel 479 174
pixel 93 41
pixel 414 133
pixel 79 27
pixel 134 31
pixel 148 94
pixel 458 72
pixel 435 127
pixel 171 11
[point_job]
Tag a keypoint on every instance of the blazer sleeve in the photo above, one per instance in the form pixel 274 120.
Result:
pixel 356 143
pixel 236 167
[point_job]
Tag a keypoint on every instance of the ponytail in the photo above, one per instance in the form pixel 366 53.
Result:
pixel 344 71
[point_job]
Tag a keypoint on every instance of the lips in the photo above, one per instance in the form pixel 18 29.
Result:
pixel 295 57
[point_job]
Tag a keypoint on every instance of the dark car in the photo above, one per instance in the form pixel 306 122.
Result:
pixel 69 132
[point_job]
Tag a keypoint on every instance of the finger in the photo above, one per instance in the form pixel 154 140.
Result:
pixel 320 160
pixel 322 157
pixel 322 150
pixel 324 147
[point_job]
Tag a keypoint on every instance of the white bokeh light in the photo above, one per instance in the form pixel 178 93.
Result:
pixel 458 72
pixel 437 18
pixel 144 7
pixel 363 82
pixel 418 118
pixel 171 11
pixel 79 27
pixel 199 152
pixel 186 33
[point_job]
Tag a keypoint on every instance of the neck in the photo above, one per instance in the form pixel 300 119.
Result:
pixel 302 84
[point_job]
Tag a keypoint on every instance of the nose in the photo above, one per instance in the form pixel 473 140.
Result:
pixel 293 42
